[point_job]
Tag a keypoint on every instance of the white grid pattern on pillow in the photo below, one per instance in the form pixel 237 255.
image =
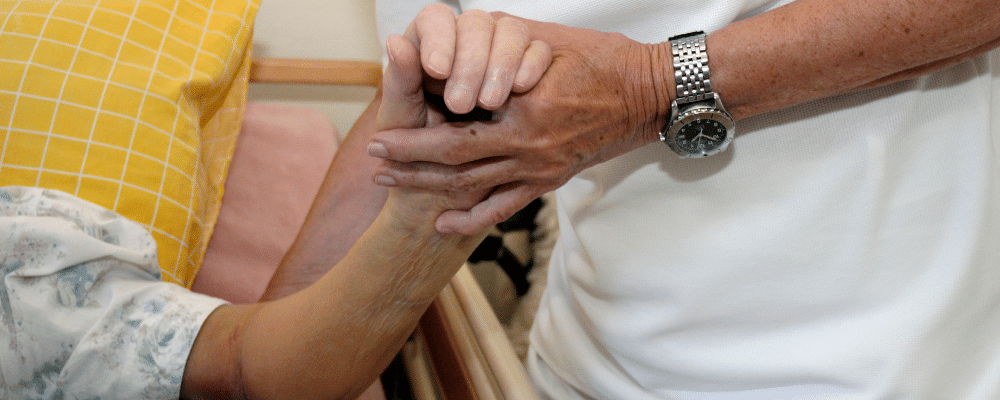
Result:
pixel 134 106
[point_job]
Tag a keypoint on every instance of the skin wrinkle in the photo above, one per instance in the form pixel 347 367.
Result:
pixel 583 152
pixel 837 48
pixel 463 182
pixel 382 315
pixel 460 93
pixel 840 36
pixel 372 297
pixel 403 283
pixel 233 348
pixel 507 51
pixel 649 122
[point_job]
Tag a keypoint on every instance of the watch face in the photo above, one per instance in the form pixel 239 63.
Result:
pixel 701 136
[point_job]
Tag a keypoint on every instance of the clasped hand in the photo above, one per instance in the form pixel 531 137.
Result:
pixel 560 99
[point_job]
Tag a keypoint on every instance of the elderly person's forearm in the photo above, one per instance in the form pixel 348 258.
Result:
pixel 334 338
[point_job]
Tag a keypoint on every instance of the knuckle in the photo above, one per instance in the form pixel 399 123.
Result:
pixel 476 13
pixel 538 53
pixel 499 14
pixel 544 146
pixel 496 216
pixel 437 8
pixel 445 203
pixel 552 174
pixel 513 24
pixel 539 107
pixel 552 159
pixel 463 182
pixel 403 173
pixel 400 179
pixel 476 16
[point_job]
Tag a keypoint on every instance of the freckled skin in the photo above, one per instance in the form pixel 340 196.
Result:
pixel 805 50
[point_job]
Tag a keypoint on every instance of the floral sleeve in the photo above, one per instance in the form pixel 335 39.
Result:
pixel 85 313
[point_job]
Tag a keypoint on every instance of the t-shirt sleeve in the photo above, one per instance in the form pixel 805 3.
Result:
pixel 85 312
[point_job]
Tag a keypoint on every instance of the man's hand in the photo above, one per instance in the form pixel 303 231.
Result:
pixel 603 95
pixel 473 53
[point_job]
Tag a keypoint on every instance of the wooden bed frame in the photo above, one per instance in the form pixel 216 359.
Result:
pixel 460 350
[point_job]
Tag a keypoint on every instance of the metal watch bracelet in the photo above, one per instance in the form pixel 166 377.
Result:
pixel 690 61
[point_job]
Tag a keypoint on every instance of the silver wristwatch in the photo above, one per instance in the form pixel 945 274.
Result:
pixel 699 126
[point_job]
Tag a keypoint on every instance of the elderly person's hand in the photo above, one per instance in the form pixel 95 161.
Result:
pixel 586 109
pixel 369 302
pixel 482 57
pixel 404 106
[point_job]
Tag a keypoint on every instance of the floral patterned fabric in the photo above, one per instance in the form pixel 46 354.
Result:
pixel 85 313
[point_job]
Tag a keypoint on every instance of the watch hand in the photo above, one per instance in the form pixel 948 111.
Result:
pixel 704 136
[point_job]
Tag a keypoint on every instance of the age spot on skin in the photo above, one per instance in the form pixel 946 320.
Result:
pixel 472 132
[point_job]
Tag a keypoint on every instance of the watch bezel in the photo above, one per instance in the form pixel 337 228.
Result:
pixel 694 112
pixel 694 97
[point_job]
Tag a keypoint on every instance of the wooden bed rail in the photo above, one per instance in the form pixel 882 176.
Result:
pixel 284 70
pixel 468 348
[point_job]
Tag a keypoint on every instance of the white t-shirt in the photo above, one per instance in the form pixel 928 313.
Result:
pixel 845 248
pixel 85 313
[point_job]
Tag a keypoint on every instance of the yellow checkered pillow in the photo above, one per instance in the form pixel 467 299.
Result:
pixel 133 105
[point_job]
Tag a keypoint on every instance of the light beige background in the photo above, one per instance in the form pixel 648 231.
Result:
pixel 317 29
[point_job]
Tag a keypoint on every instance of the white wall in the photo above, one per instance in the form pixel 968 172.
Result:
pixel 317 29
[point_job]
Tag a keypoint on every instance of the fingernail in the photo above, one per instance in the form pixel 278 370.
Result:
pixel 438 63
pixel 376 149
pixel 459 98
pixel 385 180
pixel 490 95
pixel 390 50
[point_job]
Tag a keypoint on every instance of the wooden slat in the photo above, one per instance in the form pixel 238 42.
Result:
pixel 283 70
pixel 480 375
pixel 424 382
pixel 442 345
pixel 503 362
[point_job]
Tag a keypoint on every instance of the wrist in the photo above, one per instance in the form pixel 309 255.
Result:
pixel 403 250
pixel 655 89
